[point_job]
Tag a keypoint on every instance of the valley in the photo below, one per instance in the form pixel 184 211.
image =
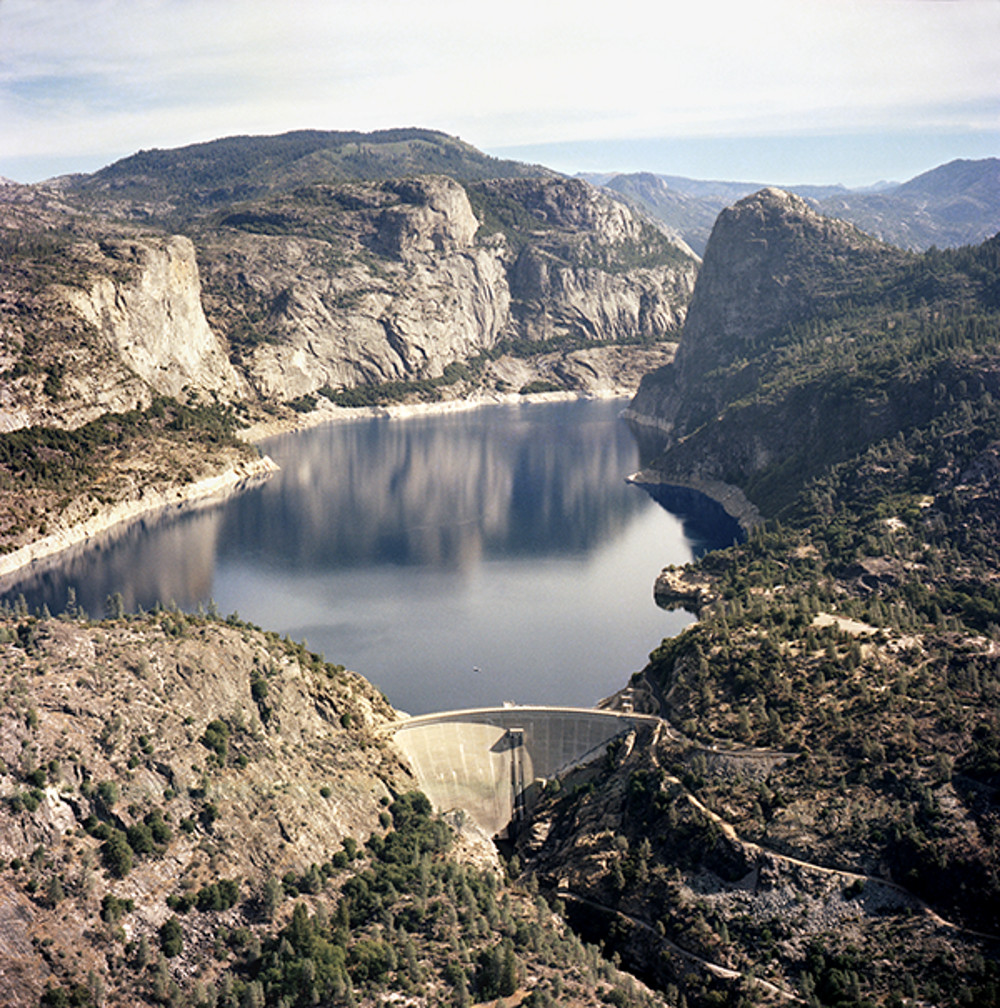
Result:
pixel 195 810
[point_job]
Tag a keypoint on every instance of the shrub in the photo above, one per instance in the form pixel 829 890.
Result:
pixel 117 853
pixel 216 738
pixel 140 839
pixel 107 794
pixel 171 937
pixel 113 908
pixel 36 778
pixel 219 895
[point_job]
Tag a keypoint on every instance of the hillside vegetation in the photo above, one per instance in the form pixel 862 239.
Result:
pixel 827 816
pixel 195 812
pixel 169 185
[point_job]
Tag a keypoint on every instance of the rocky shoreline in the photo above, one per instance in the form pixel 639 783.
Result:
pixel 730 498
pixel 235 477
pixel 195 494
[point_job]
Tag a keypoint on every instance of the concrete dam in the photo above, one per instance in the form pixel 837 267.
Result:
pixel 487 761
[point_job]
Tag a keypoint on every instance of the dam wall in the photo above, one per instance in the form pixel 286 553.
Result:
pixel 486 761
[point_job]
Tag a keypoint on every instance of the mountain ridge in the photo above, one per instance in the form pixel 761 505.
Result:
pixel 317 278
pixel 815 819
pixel 952 204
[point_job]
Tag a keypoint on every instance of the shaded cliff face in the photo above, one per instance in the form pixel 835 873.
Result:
pixel 806 341
pixel 771 262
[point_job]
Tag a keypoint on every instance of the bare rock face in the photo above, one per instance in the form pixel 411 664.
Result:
pixel 598 370
pixel 328 285
pixel 395 289
pixel 367 282
pixel 435 217
pixel 682 587
pixel 593 269
pixel 97 318
pixel 154 321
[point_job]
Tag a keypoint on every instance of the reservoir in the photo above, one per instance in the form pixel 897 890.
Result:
pixel 455 560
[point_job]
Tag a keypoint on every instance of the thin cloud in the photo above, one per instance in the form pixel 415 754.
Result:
pixel 105 77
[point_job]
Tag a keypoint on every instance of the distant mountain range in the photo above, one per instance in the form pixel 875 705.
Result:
pixel 954 204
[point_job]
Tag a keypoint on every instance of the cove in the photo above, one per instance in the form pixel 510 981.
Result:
pixel 454 560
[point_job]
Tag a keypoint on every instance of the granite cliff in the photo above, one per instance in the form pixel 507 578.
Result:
pixel 98 318
pixel 352 285
pixel 771 262
pixel 373 282
pixel 294 264
pixel 760 383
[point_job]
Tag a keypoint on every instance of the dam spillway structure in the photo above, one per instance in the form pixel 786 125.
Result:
pixel 486 760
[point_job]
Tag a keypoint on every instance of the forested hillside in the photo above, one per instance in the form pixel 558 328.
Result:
pixel 826 819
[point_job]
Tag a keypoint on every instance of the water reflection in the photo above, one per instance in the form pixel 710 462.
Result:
pixel 705 522
pixel 416 551
pixel 441 491
pixel 167 557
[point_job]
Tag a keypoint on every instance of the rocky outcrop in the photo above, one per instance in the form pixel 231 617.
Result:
pixel 772 264
pixel 153 319
pixel 771 261
pixel 683 587
pixel 593 269
pixel 395 289
pixel 95 318
pixel 433 218
pixel 598 370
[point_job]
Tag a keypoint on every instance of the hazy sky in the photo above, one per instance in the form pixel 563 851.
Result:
pixel 772 90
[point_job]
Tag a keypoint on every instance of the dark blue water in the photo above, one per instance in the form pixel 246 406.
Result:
pixel 454 560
